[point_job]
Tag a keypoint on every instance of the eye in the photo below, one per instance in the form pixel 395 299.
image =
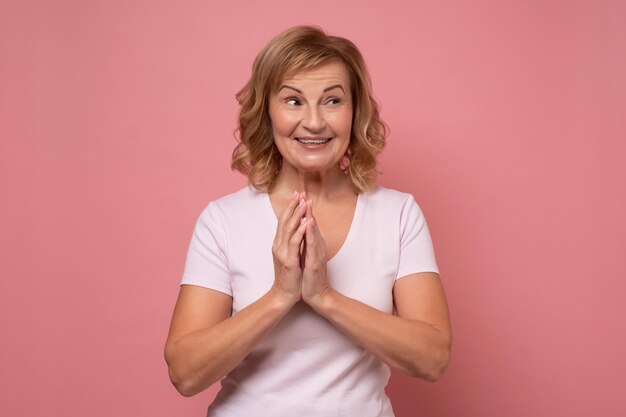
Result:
pixel 292 101
pixel 333 100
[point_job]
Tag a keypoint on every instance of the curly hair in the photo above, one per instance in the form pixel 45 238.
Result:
pixel 297 49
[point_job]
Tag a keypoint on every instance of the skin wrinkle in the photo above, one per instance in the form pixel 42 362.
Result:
pixel 313 116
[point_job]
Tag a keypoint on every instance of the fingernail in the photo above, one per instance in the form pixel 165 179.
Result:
pixel 295 193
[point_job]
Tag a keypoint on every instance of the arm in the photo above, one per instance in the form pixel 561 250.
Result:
pixel 205 342
pixel 417 341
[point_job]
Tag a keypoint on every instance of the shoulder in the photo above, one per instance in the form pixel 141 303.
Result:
pixel 241 199
pixel 242 196
pixel 388 197
pixel 235 205
pixel 391 205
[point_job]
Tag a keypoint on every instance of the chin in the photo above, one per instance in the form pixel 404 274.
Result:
pixel 317 167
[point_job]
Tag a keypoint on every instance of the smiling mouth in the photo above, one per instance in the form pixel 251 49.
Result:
pixel 313 141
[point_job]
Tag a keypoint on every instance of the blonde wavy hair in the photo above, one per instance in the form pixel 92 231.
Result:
pixel 297 49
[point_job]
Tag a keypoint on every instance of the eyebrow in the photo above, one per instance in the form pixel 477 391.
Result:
pixel 332 87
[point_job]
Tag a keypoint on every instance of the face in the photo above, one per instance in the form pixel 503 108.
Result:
pixel 311 116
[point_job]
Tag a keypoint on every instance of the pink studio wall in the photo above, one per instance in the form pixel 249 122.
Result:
pixel 508 126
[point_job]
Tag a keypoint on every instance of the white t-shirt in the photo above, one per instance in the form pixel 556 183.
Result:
pixel 305 366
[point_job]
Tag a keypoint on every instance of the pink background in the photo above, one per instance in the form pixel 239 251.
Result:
pixel 507 121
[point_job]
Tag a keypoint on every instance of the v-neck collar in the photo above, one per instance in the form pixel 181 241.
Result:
pixel 269 210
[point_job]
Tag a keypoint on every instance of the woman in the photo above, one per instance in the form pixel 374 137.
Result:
pixel 290 286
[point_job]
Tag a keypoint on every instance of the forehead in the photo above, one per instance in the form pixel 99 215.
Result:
pixel 334 72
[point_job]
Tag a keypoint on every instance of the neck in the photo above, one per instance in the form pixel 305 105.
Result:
pixel 318 185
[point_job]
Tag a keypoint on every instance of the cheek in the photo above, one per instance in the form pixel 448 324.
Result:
pixel 282 123
pixel 277 119
pixel 344 123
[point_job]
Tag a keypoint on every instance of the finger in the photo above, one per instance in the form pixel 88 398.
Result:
pixel 313 223
pixel 314 226
pixel 294 222
pixel 317 232
pixel 311 239
pixel 296 239
pixel 315 244
pixel 287 212
pixel 284 217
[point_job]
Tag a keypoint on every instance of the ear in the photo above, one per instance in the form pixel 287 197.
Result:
pixel 344 162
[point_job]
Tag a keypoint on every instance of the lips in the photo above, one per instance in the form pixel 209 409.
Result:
pixel 313 140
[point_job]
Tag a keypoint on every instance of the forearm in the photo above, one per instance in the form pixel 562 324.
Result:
pixel 201 358
pixel 414 347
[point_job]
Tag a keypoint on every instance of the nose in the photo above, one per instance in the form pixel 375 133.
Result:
pixel 313 119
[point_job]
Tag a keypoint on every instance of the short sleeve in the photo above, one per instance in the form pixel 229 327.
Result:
pixel 416 247
pixel 207 262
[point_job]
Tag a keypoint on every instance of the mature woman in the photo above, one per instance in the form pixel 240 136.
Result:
pixel 300 291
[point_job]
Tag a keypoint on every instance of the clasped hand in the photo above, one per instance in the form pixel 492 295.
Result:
pixel 299 253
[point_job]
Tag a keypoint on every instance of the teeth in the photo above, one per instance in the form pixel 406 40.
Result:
pixel 312 141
